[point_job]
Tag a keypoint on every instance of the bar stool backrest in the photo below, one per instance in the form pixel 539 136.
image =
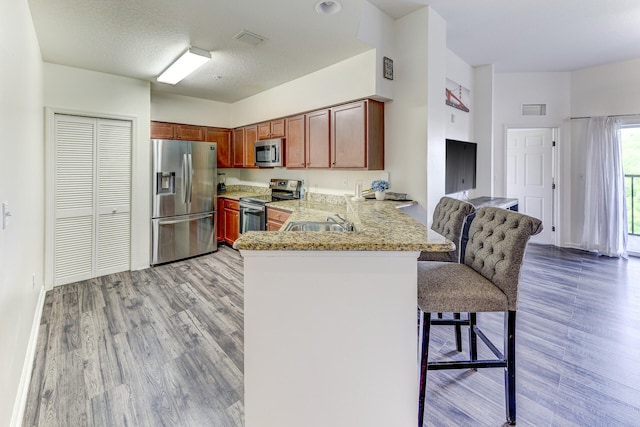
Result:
pixel 497 242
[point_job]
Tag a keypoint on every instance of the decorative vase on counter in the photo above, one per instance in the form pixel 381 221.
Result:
pixel 379 195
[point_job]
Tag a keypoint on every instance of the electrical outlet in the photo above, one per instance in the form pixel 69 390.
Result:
pixel 345 181
pixel 33 281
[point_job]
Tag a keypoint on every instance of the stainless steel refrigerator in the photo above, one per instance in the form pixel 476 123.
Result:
pixel 183 219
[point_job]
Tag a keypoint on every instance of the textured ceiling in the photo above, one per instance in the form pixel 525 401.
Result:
pixel 140 38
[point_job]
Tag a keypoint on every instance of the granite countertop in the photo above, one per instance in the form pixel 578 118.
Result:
pixel 379 226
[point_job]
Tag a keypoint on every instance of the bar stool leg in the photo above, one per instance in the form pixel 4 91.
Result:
pixel 424 358
pixel 510 370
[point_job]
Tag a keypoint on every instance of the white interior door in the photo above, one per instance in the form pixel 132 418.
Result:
pixel 530 177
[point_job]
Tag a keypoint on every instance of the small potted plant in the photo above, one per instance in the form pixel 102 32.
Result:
pixel 379 186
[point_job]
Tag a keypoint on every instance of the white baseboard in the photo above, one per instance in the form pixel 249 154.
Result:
pixel 27 368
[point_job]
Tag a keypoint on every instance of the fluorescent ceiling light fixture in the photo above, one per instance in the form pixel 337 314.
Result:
pixel 190 61
pixel 328 7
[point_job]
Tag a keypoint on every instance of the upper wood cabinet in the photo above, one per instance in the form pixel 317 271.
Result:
pixel 317 139
pixel 271 129
pixel 190 132
pixel 222 138
pixel 295 146
pixel 357 135
pixel 162 130
pixel 243 151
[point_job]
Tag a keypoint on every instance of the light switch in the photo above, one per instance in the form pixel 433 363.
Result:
pixel 6 213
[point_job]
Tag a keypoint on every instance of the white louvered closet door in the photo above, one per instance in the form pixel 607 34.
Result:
pixel 113 241
pixel 92 197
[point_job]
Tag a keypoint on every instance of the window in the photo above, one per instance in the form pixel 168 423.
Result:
pixel 630 137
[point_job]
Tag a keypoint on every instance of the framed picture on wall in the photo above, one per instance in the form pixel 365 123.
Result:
pixel 457 96
pixel 387 67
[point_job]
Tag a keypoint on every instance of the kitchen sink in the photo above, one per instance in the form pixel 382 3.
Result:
pixel 316 226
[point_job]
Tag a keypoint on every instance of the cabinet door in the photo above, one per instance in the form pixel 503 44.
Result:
pixel 190 132
pixel 231 225
pixel 222 137
pixel 348 136
pixel 264 130
pixel 238 148
pixel 317 139
pixel 250 136
pixel 295 147
pixel 162 130
pixel 278 128
pixel 220 219
pixel 272 129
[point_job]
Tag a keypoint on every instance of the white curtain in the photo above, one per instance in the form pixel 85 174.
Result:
pixel 605 222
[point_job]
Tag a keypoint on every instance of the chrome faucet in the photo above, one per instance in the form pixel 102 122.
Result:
pixel 344 224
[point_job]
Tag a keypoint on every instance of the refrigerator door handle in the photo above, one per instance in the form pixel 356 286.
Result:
pixel 185 179
pixel 190 178
pixel 190 218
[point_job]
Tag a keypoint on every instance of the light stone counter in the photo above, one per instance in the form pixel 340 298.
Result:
pixel 379 226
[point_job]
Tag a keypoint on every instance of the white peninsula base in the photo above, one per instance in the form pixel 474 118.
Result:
pixel 330 338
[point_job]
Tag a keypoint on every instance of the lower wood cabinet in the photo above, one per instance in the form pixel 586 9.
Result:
pixel 220 219
pixel 276 218
pixel 231 218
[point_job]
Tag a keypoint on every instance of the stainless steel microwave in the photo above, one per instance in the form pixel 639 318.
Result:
pixel 269 152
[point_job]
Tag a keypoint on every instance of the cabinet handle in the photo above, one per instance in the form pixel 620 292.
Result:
pixel 114 211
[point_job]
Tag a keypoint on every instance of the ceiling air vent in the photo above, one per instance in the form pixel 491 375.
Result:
pixel 249 38
pixel 534 109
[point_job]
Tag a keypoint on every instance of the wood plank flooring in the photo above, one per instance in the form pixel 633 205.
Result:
pixel 164 347
pixel 158 347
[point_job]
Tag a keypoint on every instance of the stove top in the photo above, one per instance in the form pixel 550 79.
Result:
pixel 281 189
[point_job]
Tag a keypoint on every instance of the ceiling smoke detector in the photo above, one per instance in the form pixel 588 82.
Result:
pixel 249 38
pixel 328 7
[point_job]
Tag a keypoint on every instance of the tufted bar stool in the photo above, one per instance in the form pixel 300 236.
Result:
pixel 448 220
pixel 486 282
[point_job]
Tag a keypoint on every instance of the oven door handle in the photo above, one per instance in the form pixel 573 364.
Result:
pixel 251 210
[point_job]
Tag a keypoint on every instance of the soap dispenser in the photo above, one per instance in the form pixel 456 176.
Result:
pixel 303 191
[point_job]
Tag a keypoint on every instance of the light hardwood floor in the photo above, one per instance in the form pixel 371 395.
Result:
pixel 164 347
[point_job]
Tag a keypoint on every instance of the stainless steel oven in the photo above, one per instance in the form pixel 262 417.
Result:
pixel 253 213
pixel 253 210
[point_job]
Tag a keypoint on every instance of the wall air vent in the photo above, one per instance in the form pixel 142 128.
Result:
pixel 534 109
pixel 249 38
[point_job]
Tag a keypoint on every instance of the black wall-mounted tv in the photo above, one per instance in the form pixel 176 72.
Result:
pixel 460 170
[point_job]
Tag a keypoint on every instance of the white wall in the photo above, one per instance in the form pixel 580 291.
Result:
pixel 22 185
pixel 353 78
pixel 436 110
pixel 106 95
pixel 553 89
pixel 483 126
pixel 607 90
pixel 166 107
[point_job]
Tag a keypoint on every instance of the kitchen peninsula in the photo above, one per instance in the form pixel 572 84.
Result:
pixel 330 318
